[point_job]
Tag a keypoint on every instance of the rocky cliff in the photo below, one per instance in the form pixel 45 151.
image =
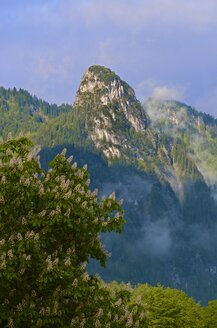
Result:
pixel 109 105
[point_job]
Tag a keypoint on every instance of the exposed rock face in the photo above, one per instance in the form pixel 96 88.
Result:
pixel 109 104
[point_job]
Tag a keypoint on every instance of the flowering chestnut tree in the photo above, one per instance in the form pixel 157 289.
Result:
pixel 49 228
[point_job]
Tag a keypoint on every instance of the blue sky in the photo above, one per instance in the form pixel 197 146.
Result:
pixel 163 48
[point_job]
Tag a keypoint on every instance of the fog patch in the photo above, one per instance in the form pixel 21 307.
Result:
pixel 169 116
pixel 164 92
pixel 157 238
pixel 159 91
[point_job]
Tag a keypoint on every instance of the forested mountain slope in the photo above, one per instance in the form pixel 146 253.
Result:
pixel 160 157
pixel 22 112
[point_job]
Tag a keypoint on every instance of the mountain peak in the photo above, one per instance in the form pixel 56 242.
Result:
pixel 100 78
pixel 110 108
pixel 103 73
pixel 105 88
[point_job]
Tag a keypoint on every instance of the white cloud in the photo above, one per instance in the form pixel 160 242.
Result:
pixel 159 91
pixel 195 14
pixel 165 92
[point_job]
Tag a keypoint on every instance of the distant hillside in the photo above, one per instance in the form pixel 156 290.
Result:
pixel 22 112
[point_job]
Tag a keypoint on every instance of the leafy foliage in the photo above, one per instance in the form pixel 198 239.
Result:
pixel 210 314
pixel 167 307
pixel 50 225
